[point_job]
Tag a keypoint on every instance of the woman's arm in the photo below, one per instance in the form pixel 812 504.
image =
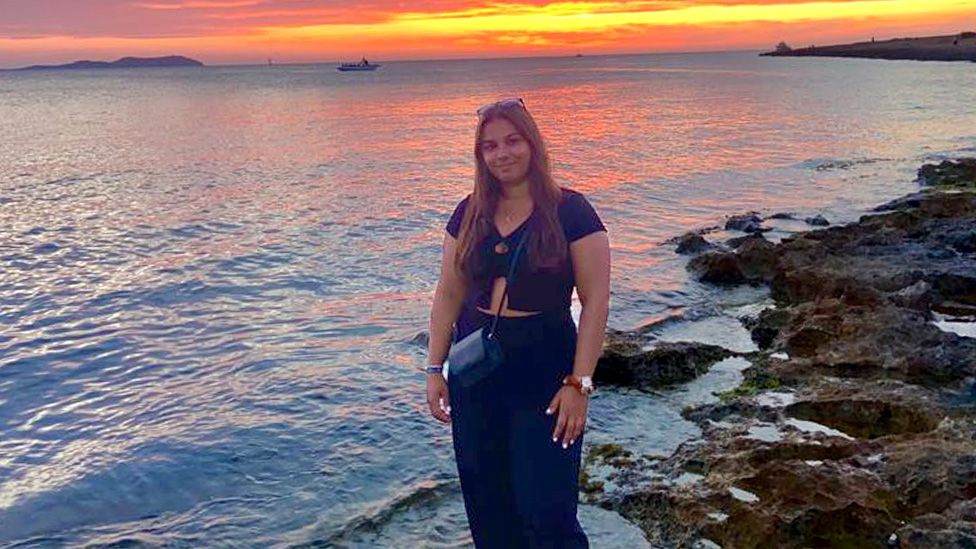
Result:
pixel 591 268
pixel 448 298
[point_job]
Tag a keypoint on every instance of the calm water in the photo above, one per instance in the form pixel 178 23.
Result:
pixel 211 276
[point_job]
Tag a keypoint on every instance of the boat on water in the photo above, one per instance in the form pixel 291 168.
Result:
pixel 363 65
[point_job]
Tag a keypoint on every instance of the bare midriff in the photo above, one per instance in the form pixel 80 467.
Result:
pixel 498 288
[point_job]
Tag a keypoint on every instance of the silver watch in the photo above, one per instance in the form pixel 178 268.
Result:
pixel 587 385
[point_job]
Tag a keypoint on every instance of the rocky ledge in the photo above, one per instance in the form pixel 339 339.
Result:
pixel 856 423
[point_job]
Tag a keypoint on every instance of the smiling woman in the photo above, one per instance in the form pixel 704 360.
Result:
pixel 518 415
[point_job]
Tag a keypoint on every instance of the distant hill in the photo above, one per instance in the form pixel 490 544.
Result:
pixel 124 63
pixel 955 47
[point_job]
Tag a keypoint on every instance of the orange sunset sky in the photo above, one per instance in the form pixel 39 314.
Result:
pixel 251 31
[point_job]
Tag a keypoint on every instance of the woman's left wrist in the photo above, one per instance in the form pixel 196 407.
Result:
pixel 583 384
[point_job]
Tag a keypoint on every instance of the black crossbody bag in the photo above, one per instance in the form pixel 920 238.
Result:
pixel 479 353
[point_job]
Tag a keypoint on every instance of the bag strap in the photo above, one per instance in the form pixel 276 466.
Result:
pixel 508 282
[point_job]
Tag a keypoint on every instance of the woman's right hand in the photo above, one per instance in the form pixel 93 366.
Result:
pixel 438 399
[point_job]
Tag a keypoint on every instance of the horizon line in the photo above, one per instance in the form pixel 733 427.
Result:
pixel 402 60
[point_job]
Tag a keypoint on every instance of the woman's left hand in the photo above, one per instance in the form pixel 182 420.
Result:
pixel 571 406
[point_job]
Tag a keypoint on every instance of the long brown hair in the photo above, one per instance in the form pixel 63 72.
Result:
pixel 546 243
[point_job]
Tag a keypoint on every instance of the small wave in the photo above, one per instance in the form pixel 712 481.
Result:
pixel 830 164
pixel 373 519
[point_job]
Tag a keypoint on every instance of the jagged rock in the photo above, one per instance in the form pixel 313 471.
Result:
pixel 882 340
pixel 961 173
pixel 782 215
pixel 766 326
pixel 619 343
pixel 757 259
pixel 693 243
pixel 902 203
pixel 951 529
pixel 818 220
pixel 964 243
pixel 918 296
pixel 666 364
pixel 717 268
pixel 748 223
pixel 738 241
pixel 864 418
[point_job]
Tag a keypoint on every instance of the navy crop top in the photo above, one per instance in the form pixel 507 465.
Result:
pixel 538 290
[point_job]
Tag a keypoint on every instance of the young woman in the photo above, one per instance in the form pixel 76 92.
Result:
pixel 518 432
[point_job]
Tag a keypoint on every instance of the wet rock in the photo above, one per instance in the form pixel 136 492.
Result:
pixel 860 341
pixel 960 173
pixel 717 268
pixel 738 241
pixel 693 243
pixel 619 345
pixel 817 220
pixel 422 339
pixel 902 203
pixel 666 364
pixel 955 309
pixel 933 471
pixel 919 296
pixel 757 259
pixel 951 529
pixel 767 326
pixel 782 215
pixel 964 242
pixel 864 418
pixel 749 223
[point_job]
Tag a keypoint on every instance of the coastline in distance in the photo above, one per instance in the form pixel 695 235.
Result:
pixel 123 63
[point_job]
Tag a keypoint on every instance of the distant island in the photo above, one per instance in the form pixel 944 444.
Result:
pixel 124 63
pixel 955 47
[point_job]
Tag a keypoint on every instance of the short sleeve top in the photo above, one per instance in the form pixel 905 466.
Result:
pixel 533 290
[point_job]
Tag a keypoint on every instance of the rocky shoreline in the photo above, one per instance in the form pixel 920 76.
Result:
pixel 855 425
pixel 956 47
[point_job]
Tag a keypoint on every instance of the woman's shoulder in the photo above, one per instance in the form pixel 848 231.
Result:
pixel 577 215
pixel 571 200
pixel 567 194
pixel 454 223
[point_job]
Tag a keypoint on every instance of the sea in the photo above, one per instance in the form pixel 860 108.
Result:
pixel 216 280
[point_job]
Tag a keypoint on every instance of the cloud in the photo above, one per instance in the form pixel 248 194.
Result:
pixel 190 18
pixel 197 5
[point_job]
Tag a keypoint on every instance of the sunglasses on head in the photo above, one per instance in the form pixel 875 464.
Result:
pixel 504 103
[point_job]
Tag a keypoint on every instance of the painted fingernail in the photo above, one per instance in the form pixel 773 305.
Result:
pixel 565 446
pixel 549 411
pixel 571 442
pixel 554 439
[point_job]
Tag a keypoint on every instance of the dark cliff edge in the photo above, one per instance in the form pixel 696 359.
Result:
pixel 123 63
pixel 955 47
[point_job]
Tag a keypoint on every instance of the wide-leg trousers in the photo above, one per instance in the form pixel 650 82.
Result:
pixel 520 488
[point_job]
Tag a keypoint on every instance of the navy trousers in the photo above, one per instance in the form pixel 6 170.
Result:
pixel 520 488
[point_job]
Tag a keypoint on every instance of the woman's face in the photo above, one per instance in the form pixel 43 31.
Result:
pixel 505 151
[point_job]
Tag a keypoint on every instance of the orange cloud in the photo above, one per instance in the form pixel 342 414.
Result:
pixel 198 5
pixel 307 30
